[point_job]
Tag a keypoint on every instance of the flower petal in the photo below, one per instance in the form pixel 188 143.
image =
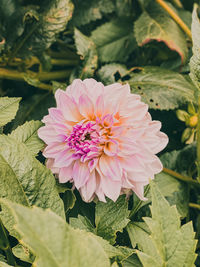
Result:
pixel 68 106
pixel 86 107
pixel 110 188
pixel 110 167
pixel 81 174
pixel 65 174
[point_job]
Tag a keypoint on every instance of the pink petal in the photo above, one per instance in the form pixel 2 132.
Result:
pixel 53 149
pixel 81 174
pixel 110 167
pixel 139 190
pixel 110 188
pixel 76 89
pixel 94 89
pixel 99 107
pixel 56 115
pixel 88 190
pixel 49 135
pixel 86 107
pixel 65 174
pixel 68 107
pixel 50 165
pixel 64 158
pixel 111 148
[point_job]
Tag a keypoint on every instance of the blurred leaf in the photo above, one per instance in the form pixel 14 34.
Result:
pixel 111 217
pixel 124 7
pixel 82 223
pixel 27 134
pixel 195 59
pixel 179 161
pixel 169 243
pixel 87 50
pixel 2 258
pixel 23 253
pixel 114 40
pixel 175 191
pixel 161 88
pixel 115 264
pixel 32 183
pixel 69 199
pixel 132 261
pixel 139 236
pixel 53 241
pixel 58 85
pixel 155 24
pixel 8 109
pixel 39 35
pixel 118 252
pixel 107 72
pixel 4 264
pixel 34 108
pixel 91 10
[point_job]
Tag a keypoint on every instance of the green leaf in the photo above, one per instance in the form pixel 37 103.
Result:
pixel 175 191
pixel 107 72
pixel 69 199
pixel 3 264
pixel 118 252
pixel 82 223
pixel 23 253
pixel 53 241
pixel 179 161
pixel 90 10
pixel 87 50
pixel 42 32
pixel 32 183
pixel 114 40
pixel 156 24
pixel 8 109
pixel 195 59
pixel 27 134
pixel 161 88
pixel 111 217
pixel 132 261
pixel 171 243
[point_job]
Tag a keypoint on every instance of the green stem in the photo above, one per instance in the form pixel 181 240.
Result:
pixel 137 207
pixel 175 17
pixel 5 245
pixel 43 76
pixel 194 206
pixel 22 42
pixel 198 141
pixel 177 3
pixel 182 178
pixel 34 60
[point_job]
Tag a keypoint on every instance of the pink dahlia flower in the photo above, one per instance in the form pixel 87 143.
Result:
pixel 102 139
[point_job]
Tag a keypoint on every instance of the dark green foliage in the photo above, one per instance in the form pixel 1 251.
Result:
pixel 44 46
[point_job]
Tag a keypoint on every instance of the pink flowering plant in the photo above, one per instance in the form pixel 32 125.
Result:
pixel 102 139
pixel 99 133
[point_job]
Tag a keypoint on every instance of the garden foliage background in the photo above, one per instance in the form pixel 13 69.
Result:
pixel 45 45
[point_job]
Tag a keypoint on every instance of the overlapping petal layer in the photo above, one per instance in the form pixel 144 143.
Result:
pixel 102 139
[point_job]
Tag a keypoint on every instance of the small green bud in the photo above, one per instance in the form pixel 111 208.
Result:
pixel 182 115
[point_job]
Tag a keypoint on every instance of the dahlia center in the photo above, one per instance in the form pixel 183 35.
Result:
pixel 84 140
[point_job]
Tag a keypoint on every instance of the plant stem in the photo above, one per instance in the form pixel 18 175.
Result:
pixel 181 177
pixel 194 206
pixel 198 141
pixel 137 207
pixel 43 76
pixel 177 3
pixel 5 245
pixel 34 60
pixel 175 17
